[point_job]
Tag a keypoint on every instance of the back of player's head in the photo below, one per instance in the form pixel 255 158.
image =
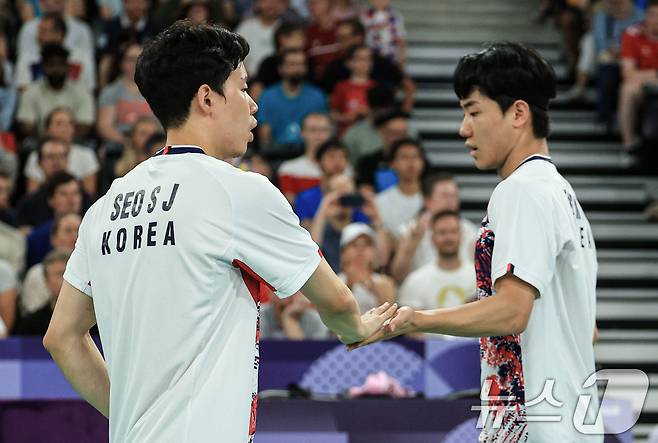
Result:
pixel 182 58
pixel 506 72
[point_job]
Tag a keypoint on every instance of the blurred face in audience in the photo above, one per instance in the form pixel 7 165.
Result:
pixel 129 62
pixel 67 232
pixel 294 40
pixel 394 130
pixel 270 9
pixel 293 68
pixel 61 126
pixel 444 197
pixel 198 13
pixel 360 252
pixel 5 191
pixel 319 9
pixel 67 198
pixel 57 6
pixel 446 236
pixel 341 184
pixel 361 63
pixel 333 162
pixel 48 32
pixel 346 37
pixel 408 163
pixel 651 21
pixel 55 70
pixel 135 9
pixel 54 279
pixel 54 158
pixel 316 129
pixel 142 131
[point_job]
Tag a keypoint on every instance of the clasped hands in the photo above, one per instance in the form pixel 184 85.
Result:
pixel 385 322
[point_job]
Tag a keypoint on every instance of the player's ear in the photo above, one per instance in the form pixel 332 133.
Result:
pixel 203 98
pixel 520 113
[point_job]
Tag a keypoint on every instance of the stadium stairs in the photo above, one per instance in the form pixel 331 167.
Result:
pixel 611 193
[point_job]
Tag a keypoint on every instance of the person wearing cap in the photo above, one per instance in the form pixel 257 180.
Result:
pixel 53 91
pixel 358 261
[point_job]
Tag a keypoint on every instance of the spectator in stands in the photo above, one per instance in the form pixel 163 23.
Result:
pixel 339 207
pixel 384 72
pixel 64 197
pixel 53 91
pixel 639 67
pixel 78 33
pixel 8 94
pixel 331 158
pixel 385 32
pixel 608 26
pixel 52 30
pixel 348 101
pixel 155 142
pixel 586 61
pixel 134 150
pixel 287 36
pixel 362 137
pixel 134 24
pixel 120 103
pixel 282 107
pixel 8 294
pixel 255 162
pixel 372 169
pixel 79 160
pixel 570 19
pixel 414 248
pixel 321 45
pixel 358 261
pixel 259 32
pixel 303 172
pixel 399 203
pixel 344 10
pixel 197 11
pixel 36 323
pixel 447 281
pixel 35 294
pixel 6 212
pixel 292 318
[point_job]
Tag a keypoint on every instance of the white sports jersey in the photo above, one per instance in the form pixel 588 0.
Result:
pixel 175 257
pixel 536 230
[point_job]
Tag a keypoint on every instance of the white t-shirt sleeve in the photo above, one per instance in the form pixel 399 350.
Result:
pixel 77 268
pixel 526 240
pixel 32 169
pixel 410 293
pixel 268 238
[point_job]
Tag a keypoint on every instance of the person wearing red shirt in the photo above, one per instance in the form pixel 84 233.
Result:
pixel 321 45
pixel 639 67
pixel 349 102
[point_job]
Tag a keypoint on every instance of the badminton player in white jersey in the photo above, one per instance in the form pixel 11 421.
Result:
pixel 171 263
pixel 535 257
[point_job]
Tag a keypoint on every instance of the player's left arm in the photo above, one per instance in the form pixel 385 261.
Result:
pixel 72 348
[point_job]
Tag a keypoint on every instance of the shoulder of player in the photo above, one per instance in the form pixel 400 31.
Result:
pixel 521 186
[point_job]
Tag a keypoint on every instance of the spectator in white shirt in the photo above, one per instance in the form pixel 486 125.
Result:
pixel 259 32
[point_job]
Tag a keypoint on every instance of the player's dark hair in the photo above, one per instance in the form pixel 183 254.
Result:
pixel 387 117
pixel 333 144
pixel 57 180
pixel 442 214
pixel 431 180
pixel 285 30
pixel 506 72
pixel 281 58
pixel 356 25
pixel 174 65
pixel 58 21
pixel 43 142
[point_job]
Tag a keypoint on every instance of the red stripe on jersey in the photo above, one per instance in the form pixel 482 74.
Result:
pixel 258 287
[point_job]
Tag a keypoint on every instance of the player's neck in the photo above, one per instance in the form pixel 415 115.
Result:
pixel 191 134
pixel 524 148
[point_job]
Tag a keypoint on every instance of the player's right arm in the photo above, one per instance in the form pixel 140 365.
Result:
pixel 338 307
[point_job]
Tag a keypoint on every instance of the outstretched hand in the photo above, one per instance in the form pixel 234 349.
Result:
pixel 402 322
pixel 374 319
